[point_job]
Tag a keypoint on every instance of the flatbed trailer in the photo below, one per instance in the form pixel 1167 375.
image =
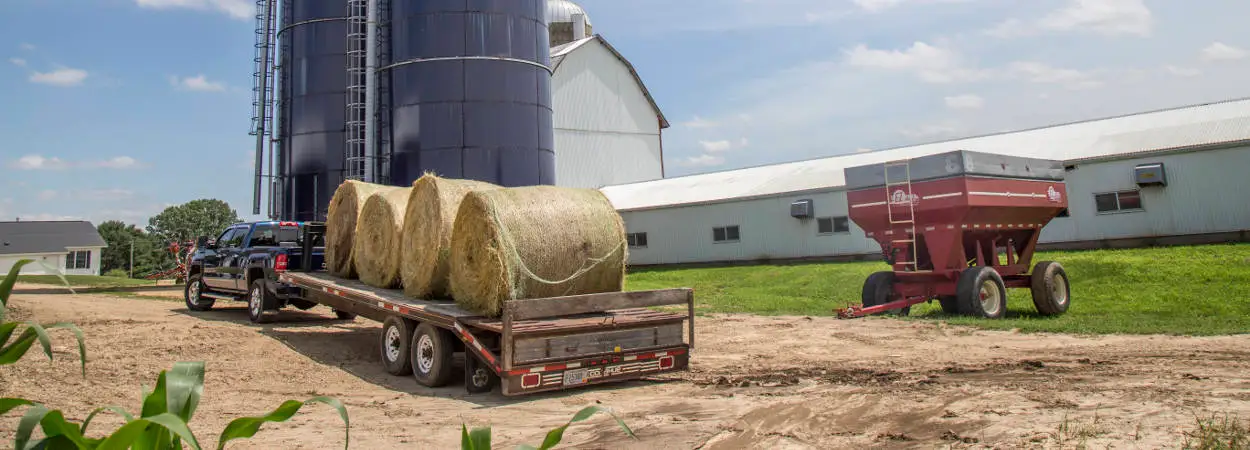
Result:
pixel 536 345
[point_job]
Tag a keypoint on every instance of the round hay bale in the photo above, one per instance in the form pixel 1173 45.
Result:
pixel 341 219
pixel 535 241
pixel 428 224
pixel 378 241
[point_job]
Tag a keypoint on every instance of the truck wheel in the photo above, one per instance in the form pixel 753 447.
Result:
pixel 1051 292
pixel 395 340
pixel 950 304
pixel 344 315
pixel 477 377
pixel 432 348
pixel 191 293
pixel 879 290
pixel 981 292
pixel 260 303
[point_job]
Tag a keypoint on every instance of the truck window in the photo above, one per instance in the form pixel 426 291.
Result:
pixel 270 235
pixel 233 239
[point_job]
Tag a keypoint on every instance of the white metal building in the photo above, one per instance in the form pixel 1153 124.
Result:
pixel 743 215
pixel 70 248
pixel 608 128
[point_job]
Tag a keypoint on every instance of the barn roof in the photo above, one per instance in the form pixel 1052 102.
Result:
pixel 1194 126
pixel 559 52
pixel 17 238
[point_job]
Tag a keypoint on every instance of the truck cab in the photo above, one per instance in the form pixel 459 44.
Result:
pixel 242 264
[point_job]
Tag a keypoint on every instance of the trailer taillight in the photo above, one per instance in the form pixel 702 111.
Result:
pixel 280 263
pixel 666 363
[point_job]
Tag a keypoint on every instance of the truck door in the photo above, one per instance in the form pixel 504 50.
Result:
pixel 232 260
pixel 212 260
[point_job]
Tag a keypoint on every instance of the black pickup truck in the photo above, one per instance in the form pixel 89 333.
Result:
pixel 243 263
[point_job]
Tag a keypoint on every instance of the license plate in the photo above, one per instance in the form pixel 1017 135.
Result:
pixel 572 377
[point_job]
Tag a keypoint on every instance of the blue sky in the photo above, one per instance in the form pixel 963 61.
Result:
pixel 108 103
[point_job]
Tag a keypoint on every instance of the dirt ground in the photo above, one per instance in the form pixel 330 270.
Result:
pixel 756 382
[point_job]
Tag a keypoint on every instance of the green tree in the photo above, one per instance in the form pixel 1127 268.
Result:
pixel 118 235
pixel 185 222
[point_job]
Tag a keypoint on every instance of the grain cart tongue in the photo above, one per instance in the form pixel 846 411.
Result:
pixel 959 227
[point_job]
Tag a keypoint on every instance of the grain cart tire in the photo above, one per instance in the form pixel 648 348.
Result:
pixel 431 350
pixel 1051 291
pixel 950 304
pixel 981 292
pixel 260 304
pixel 878 290
pixel 393 342
pixel 191 293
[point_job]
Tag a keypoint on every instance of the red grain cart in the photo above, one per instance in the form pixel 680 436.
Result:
pixel 959 227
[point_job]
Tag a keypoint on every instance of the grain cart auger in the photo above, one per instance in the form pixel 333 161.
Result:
pixel 958 227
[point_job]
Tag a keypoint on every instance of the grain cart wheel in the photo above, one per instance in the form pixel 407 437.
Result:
pixel 431 349
pixel 394 341
pixel 191 293
pixel 260 303
pixel 1051 292
pixel 981 292
pixel 879 290
pixel 950 304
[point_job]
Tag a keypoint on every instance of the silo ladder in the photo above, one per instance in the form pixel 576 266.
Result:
pixel 902 202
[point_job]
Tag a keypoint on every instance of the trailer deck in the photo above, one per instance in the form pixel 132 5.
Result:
pixel 537 344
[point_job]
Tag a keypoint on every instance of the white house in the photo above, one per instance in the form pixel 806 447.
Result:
pixel 70 247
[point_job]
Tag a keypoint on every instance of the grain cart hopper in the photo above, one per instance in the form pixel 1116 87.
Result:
pixel 959 227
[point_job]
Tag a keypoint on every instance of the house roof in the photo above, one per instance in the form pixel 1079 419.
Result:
pixel 23 237
pixel 1197 126
pixel 560 51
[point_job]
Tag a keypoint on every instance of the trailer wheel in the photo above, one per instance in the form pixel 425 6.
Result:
pixel 879 290
pixel 477 377
pixel 950 304
pixel 432 348
pixel 981 292
pixel 1051 291
pixel 260 303
pixel 191 293
pixel 344 315
pixel 394 342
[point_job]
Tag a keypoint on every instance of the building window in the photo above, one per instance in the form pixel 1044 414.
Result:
pixel 1118 201
pixel 831 225
pixel 78 259
pixel 725 234
pixel 637 240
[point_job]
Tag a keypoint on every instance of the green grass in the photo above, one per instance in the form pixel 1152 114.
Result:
pixel 1199 290
pixel 84 280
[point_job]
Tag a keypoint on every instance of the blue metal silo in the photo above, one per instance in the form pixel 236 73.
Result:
pixel 312 84
pixel 467 91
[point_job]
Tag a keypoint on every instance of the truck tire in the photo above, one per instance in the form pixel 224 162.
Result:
pixel 394 341
pixel 878 290
pixel 260 303
pixel 1051 291
pixel 981 292
pixel 432 348
pixel 191 293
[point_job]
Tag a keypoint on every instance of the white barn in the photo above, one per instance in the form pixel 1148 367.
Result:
pixel 608 127
pixel 69 247
pixel 743 214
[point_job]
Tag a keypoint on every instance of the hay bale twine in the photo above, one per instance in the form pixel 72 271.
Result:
pixel 535 241
pixel 341 220
pixel 427 231
pixel 378 240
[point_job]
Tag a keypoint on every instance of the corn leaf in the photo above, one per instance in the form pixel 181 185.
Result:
pixel 19 347
pixel 6 286
pixel 555 436
pixel 246 427
pixel 478 439
pixel 82 344
pixel 33 331
pixel 154 404
pixel 27 425
pixel 116 409
pixel 6 332
pixel 8 404
pixel 184 386
pixel 54 424
pixel 133 432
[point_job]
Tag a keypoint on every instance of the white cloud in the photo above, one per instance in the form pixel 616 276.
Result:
pixel 1038 72
pixel 197 83
pixel 106 194
pixel 881 5
pixel 1108 17
pixel 703 161
pixel 1219 51
pixel 60 77
pixel 967 101
pixel 931 63
pixel 27 47
pixel 18 62
pixel 46 195
pixel 1182 71
pixel 238 9
pixel 715 146
pixel 932 131
pixel 119 162
pixel 699 122
pixel 38 162
pixel 46 217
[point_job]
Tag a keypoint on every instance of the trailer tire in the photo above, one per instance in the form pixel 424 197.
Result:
pixel 981 292
pixel 259 303
pixel 191 294
pixel 878 290
pixel 393 343
pixel 1051 291
pixel 344 315
pixel 432 349
pixel 478 378
pixel 950 304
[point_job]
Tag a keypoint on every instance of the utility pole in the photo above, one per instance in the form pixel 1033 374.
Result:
pixel 132 257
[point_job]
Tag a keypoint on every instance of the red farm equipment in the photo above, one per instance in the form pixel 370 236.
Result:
pixel 959 227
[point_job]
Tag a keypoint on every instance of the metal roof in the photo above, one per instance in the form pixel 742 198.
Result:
pixel 560 51
pixel 563 11
pixel 1120 136
pixel 18 238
